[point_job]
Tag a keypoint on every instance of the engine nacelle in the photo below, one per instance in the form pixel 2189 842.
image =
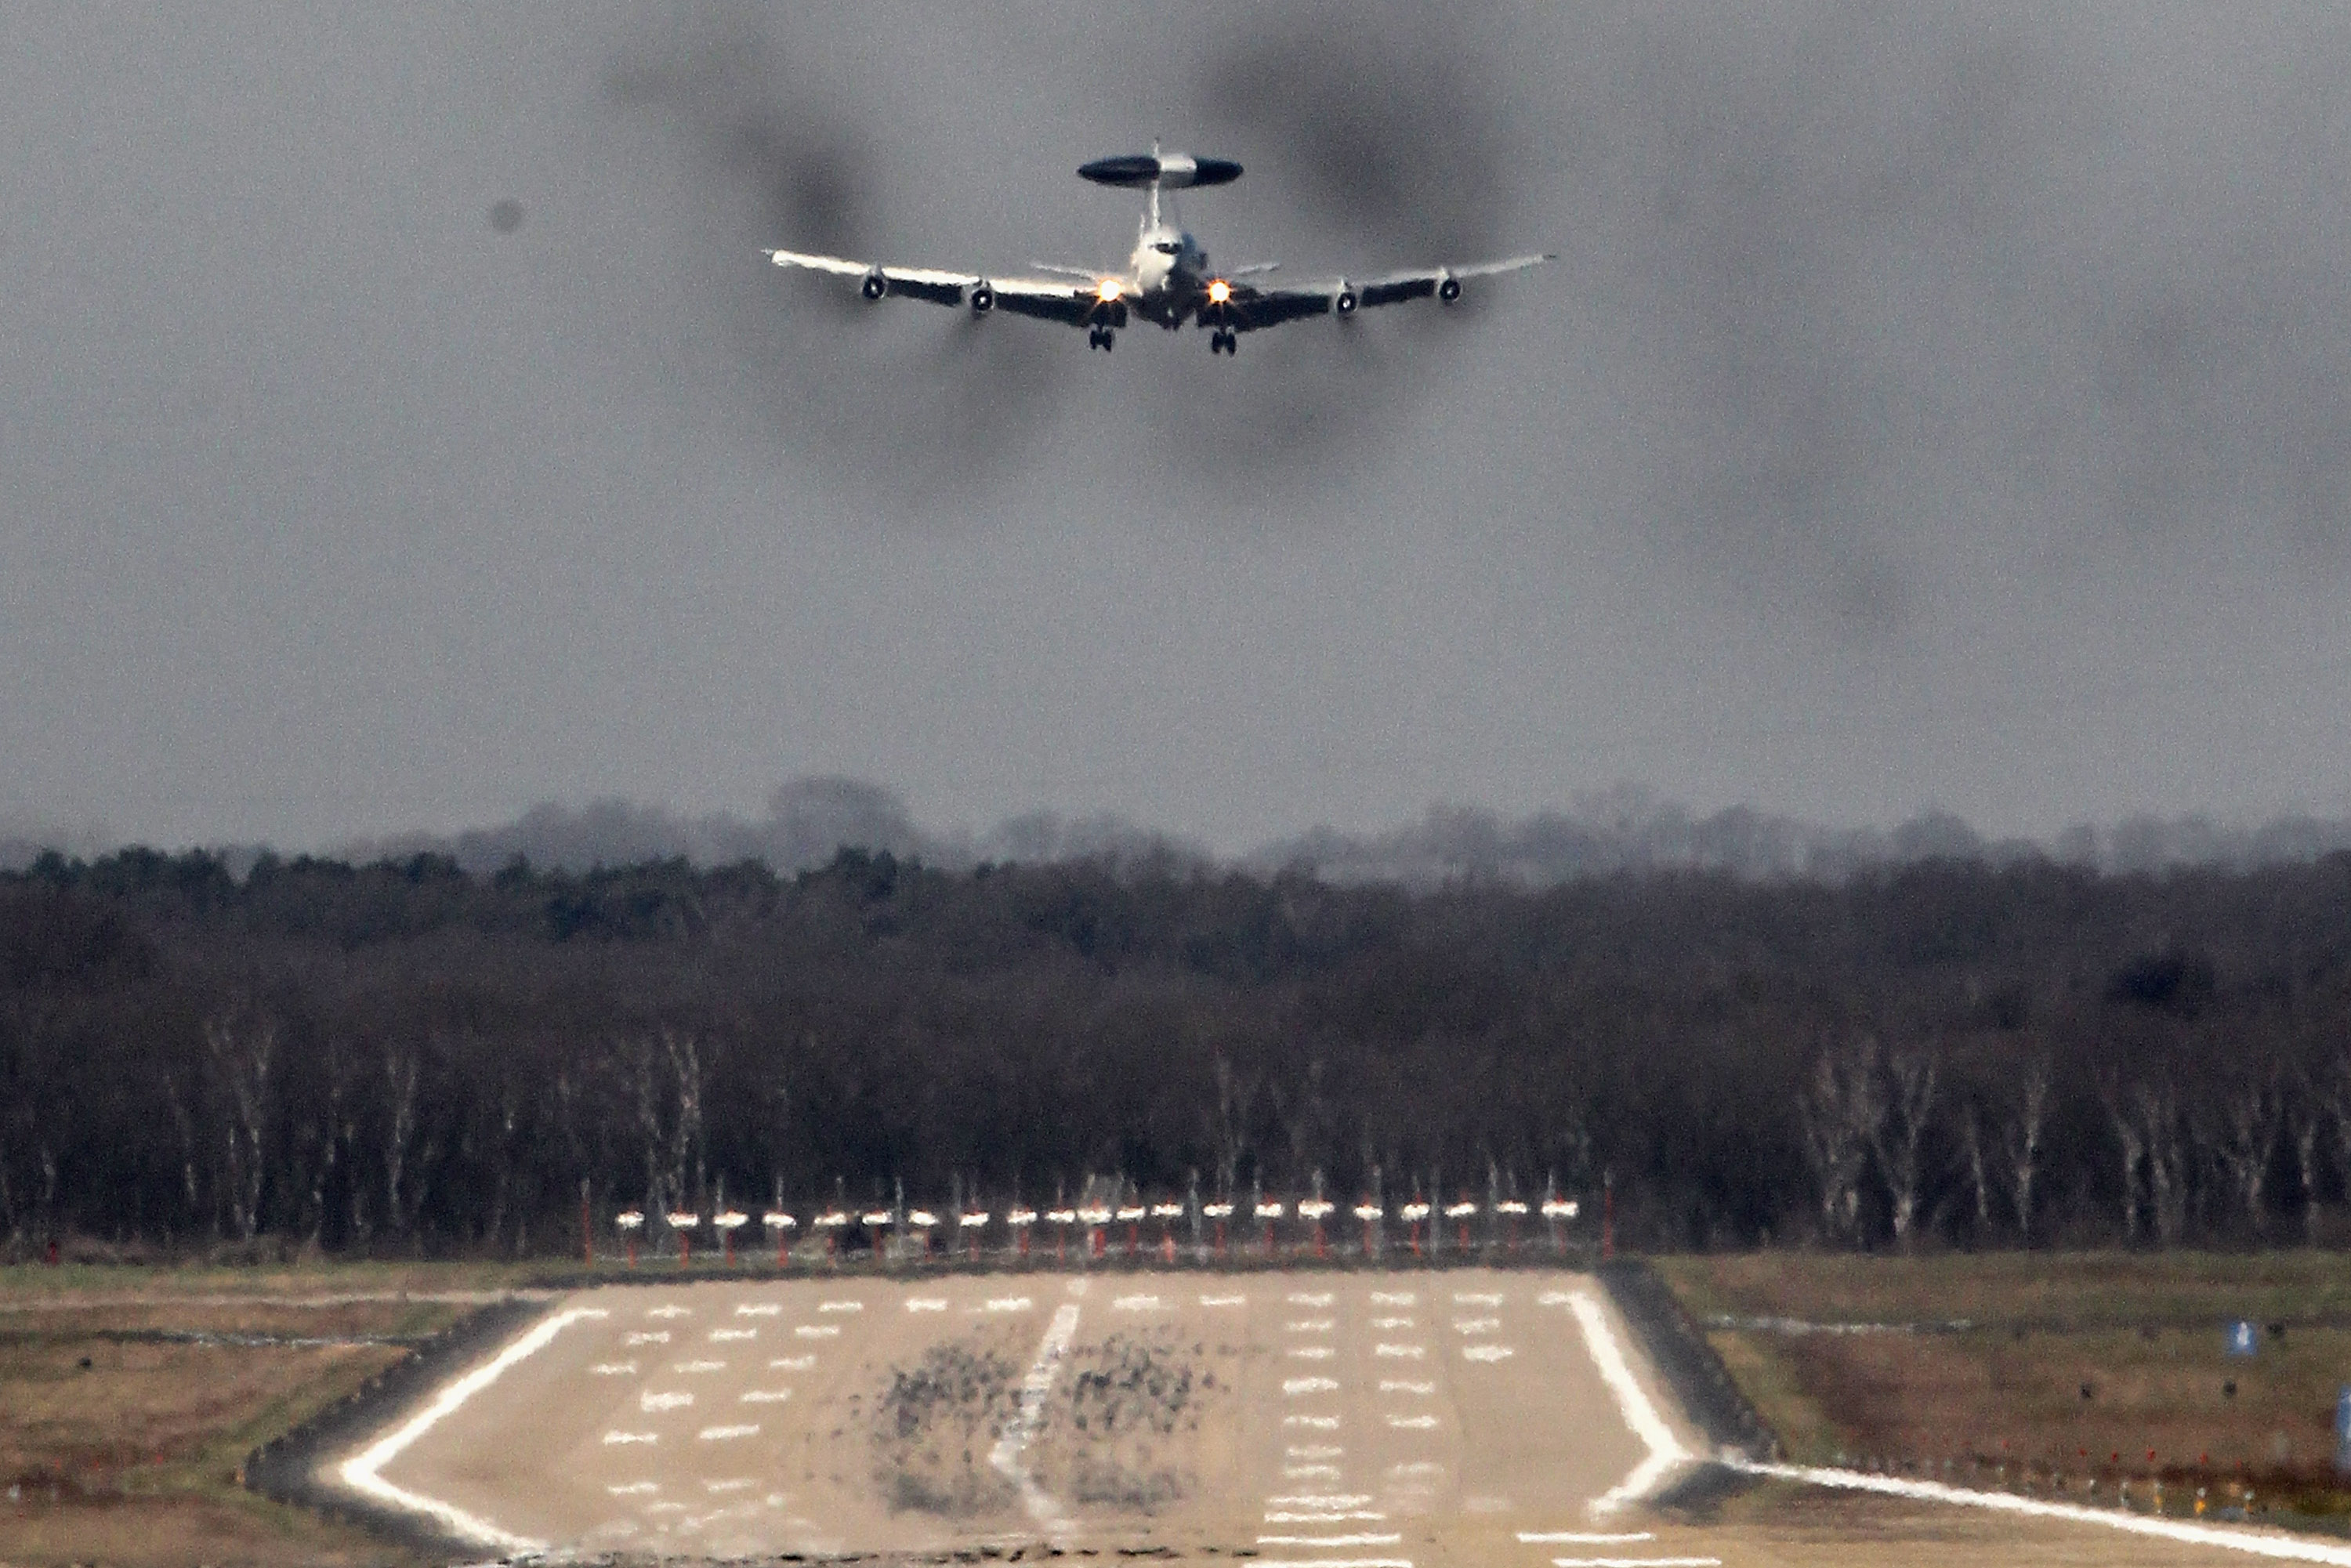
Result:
pixel 983 297
pixel 1343 303
pixel 875 287
pixel 1448 289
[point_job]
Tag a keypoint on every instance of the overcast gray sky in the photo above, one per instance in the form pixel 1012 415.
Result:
pixel 1931 405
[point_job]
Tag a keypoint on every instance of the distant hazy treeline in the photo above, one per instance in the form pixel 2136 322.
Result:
pixel 404 1055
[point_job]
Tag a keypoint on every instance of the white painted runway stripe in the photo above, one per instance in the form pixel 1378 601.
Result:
pixel 1476 1325
pixel 1009 1304
pixel 758 1309
pixel 1324 1516
pixel 791 1363
pixel 840 1306
pixel 1665 1450
pixel 1138 1304
pixel 612 1369
pixel 765 1396
pixel 723 1434
pixel 723 1336
pixel 1585 1537
pixel 1413 1423
pixel 2258 1543
pixel 1313 1473
pixel 1487 1352
pixel 1296 1385
pixel 694 1367
pixel 1320 1423
pixel 1328 1540
pixel 631 1438
pixel 361 1472
pixel 646 1336
pixel 1393 1323
pixel 1312 1499
pixel 1393 1298
pixel 671 1310
pixel 926 1303
pixel 818 1331
pixel 1473 1298
pixel 1007 1458
pixel 652 1404
pixel 1314 1451
pixel 1312 1353
pixel 1224 1300
pixel 1399 1386
pixel 1401 1351
pixel 1637 1562
pixel 634 1489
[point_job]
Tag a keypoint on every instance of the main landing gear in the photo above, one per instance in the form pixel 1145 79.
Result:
pixel 1223 342
pixel 1102 337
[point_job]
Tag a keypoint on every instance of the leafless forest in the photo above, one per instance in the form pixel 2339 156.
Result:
pixel 404 1058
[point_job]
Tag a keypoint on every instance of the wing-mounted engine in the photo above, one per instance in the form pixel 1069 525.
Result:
pixel 1166 171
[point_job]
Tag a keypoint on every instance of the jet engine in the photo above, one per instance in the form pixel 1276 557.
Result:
pixel 983 297
pixel 875 287
pixel 1448 289
pixel 1343 303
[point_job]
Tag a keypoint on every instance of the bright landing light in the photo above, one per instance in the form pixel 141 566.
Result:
pixel 1219 292
pixel 1108 290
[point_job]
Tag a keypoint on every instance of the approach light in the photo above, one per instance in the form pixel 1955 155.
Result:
pixel 1415 1212
pixel 972 1217
pixel 1462 1210
pixel 733 1219
pixel 1097 1215
pixel 1108 290
pixel 776 1220
pixel 880 1216
pixel 1167 1211
pixel 682 1220
pixel 832 1219
pixel 1021 1217
pixel 1219 291
pixel 1268 1210
pixel 923 1218
pixel 1315 1209
pixel 628 1218
pixel 1367 1212
pixel 1558 1209
pixel 1510 1205
pixel 1216 1211
pixel 1131 1213
pixel 1061 1217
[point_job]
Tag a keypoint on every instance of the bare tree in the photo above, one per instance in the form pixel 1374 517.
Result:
pixel 2304 1118
pixel 243 1046
pixel 1979 1169
pixel 2023 1142
pixel 1899 1140
pixel 2121 1118
pixel 2245 1144
pixel 1841 1112
pixel 403 1066
pixel 2168 1175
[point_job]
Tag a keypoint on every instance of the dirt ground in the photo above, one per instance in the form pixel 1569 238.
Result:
pixel 2066 1368
pixel 131 1396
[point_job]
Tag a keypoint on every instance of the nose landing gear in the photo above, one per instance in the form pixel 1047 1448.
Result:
pixel 1224 342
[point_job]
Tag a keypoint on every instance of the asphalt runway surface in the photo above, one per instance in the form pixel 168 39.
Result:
pixel 1303 1420
pixel 1332 1417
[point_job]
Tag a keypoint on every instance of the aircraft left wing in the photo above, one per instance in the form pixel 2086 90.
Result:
pixel 1049 298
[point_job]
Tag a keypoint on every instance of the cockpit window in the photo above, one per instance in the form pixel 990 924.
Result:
pixel 1167 247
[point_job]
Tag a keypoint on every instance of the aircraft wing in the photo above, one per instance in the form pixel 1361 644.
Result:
pixel 1049 298
pixel 1253 307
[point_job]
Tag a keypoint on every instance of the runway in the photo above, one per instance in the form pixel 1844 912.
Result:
pixel 1339 1419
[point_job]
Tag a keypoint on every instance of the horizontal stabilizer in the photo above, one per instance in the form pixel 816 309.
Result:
pixel 1168 171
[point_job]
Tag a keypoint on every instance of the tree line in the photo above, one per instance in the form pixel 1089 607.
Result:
pixel 404 1056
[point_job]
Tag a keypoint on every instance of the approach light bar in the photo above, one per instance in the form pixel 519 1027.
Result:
pixel 683 1221
pixel 733 1219
pixel 1316 1208
pixel 776 1220
pixel 1216 1211
pixel 1558 1209
pixel 628 1218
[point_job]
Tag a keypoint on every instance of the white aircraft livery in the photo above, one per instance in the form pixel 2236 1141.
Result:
pixel 1168 279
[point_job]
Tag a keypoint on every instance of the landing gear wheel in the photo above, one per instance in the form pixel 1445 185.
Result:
pixel 1228 341
pixel 1094 338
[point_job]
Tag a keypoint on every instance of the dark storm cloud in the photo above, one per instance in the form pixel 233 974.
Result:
pixel 1904 272
pixel 773 157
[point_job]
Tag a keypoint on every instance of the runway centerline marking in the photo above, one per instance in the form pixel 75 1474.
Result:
pixel 631 1438
pixel 362 1472
pixel 1343 1516
pixel 1585 1537
pixel 1007 1458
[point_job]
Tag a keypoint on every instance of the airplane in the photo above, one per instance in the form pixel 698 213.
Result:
pixel 1167 280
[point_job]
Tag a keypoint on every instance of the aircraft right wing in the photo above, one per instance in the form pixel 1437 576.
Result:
pixel 1253 307
pixel 1047 299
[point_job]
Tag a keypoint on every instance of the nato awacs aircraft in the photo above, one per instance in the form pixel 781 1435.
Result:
pixel 1167 280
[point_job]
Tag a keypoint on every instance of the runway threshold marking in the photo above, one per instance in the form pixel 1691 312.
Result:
pixel 363 1471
